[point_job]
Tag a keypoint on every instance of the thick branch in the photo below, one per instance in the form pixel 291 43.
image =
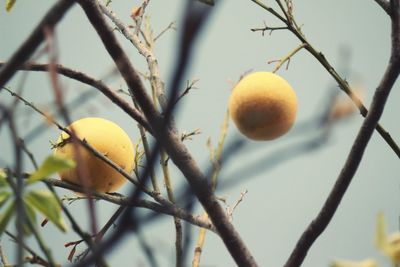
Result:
pixel 86 79
pixel 53 16
pixel 170 140
pixel 385 5
pixel 319 224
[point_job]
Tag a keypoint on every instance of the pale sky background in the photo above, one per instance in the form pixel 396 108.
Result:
pixel 282 200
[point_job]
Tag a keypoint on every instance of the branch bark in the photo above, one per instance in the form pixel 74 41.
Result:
pixel 319 224
pixel 385 5
pixel 166 207
pixel 86 79
pixel 170 140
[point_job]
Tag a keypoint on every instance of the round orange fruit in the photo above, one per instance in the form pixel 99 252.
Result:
pixel 263 106
pixel 107 138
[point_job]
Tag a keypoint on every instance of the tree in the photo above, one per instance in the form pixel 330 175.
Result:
pixel 155 110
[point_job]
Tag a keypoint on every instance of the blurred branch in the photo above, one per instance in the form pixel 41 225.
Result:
pixel 50 19
pixel 319 224
pixel 165 133
pixel 385 5
pixel 292 27
pixel 208 2
pixel 35 259
pixel 98 84
pixel 3 257
pixel 155 195
pixel 18 187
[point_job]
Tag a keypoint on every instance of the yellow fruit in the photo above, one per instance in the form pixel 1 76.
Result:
pixel 263 106
pixel 107 138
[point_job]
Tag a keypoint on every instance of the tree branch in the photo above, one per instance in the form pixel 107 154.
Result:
pixel 169 137
pixel 98 84
pixel 344 86
pixel 53 16
pixel 166 207
pixel 385 5
pixel 319 224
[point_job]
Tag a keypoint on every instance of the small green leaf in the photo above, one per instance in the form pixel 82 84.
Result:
pixel 51 165
pixel 6 216
pixel 4 196
pixel 31 216
pixel 10 4
pixel 47 204
pixel 3 178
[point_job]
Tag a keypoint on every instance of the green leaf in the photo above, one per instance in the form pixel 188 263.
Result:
pixel 52 164
pixel 4 196
pixel 31 216
pixel 3 178
pixel 10 4
pixel 47 204
pixel 6 216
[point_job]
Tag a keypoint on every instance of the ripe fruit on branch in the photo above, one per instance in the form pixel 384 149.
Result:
pixel 107 138
pixel 263 106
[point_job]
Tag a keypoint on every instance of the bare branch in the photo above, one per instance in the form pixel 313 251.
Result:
pixel 35 257
pixel 385 5
pixel 53 16
pixel 166 207
pixel 344 86
pixel 168 137
pixel 98 84
pixel 319 224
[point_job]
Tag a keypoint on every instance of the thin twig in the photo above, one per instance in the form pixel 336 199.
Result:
pixel 98 84
pixel 341 82
pixel 215 156
pixel 147 152
pixel 231 210
pixel 268 28
pixel 166 207
pixel 171 26
pixel 189 86
pixel 155 78
pixel 165 133
pixel 35 257
pixel 288 57
pixel 177 221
